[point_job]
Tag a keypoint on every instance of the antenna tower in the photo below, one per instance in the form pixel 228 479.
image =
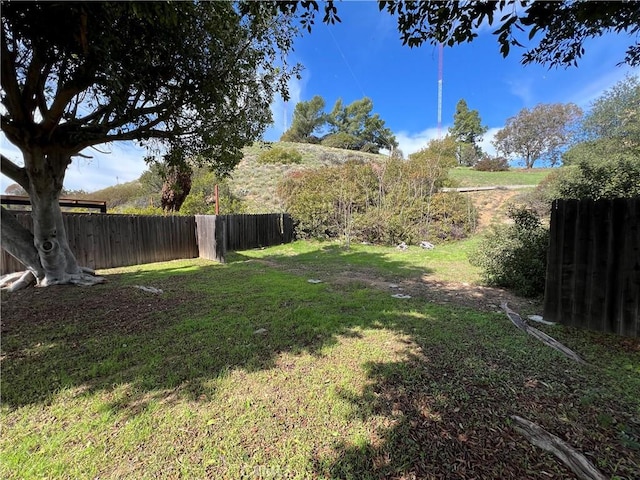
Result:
pixel 440 55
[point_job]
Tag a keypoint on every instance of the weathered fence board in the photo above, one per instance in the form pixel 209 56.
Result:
pixel 593 266
pixel 220 233
pixel 106 241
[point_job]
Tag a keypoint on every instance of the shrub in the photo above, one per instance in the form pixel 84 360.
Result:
pixel 515 256
pixel 278 154
pixel 341 140
pixel 378 203
pixel 492 164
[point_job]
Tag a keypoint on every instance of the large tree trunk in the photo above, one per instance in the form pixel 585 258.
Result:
pixel 45 252
pixel 176 187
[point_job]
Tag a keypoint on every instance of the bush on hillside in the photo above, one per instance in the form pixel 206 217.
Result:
pixel 492 164
pixel 282 155
pixel 378 203
pixel 515 256
pixel 341 140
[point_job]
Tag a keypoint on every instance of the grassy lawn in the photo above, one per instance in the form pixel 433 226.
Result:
pixel 247 370
pixel 468 177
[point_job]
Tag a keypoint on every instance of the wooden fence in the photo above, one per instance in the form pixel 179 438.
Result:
pixel 218 234
pixel 107 241
pixel 593 267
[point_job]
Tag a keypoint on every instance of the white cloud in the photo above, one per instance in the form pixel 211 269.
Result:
pixel 487 138
pixel 283 111
pixel 412 142
pixel 121 162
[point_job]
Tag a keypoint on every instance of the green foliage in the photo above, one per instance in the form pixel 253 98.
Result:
pixel 491 164
pixel 608 177
pixel 467 130
pixel 606 162
pixel 561 28
pixel 144 61
pixel 356 121
pixel 308 117
pixel 201 200
pixel 539 133
pixel 278 154
pixel 616 115
pixel 341 140
pixel 382 203
pixel 515 256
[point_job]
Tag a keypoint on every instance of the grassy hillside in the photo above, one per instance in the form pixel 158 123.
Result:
pixel 468 177
pixel 255 183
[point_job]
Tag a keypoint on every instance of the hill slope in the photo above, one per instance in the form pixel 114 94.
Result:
pixel 256 183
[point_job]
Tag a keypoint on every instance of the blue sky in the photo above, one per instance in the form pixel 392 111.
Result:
pixel 363 56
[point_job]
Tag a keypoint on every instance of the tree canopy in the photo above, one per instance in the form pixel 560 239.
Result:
pixel 554 32
pixel 308 117
pixel 561 28
pixel 192 78
pixel 467 130
pixel 366 131
pixel 538 133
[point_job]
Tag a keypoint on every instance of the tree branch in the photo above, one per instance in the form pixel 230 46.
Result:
pixel 9 81
pixel 14 172
pixel 54 115
pixel 32 84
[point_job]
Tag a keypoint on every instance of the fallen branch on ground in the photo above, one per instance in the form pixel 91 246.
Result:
pixel 573 459
pixel 516 319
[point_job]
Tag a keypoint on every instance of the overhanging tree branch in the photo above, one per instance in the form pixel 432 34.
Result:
pixel 14 172
pixel 9 81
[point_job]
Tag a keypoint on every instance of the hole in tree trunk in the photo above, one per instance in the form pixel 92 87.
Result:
pixel 47 246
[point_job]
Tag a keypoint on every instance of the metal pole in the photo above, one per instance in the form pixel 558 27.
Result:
pixel 217 198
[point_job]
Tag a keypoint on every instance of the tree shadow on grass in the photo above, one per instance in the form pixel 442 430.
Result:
pixel 209 318
pixel 444 408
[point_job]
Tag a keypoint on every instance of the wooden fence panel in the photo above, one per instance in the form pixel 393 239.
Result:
pixel 106 241
pixel 593 266
pixel 218 234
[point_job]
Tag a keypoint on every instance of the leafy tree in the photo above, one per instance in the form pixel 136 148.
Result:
pixel 616 114
pixel 538 133
pixel 605 162
pixel 561 27
pixel 176 187
pixel 191 77
pixel 201 199
pixel 308 117
pixel 612 126
pixel 467 130
pixel 356 121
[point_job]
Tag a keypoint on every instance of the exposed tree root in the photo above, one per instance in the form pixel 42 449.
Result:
pixel 19 280
pixel 573 459
pixel 517 320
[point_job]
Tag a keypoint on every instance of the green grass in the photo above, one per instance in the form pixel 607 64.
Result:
pixel 468 177
pixel 344 381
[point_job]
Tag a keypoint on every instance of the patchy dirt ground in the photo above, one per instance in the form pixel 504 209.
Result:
pixel 486 299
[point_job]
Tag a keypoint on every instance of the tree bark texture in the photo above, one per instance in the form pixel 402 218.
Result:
pixel 45 252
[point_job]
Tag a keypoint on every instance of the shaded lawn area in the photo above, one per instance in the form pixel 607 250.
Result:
pixel 246 370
